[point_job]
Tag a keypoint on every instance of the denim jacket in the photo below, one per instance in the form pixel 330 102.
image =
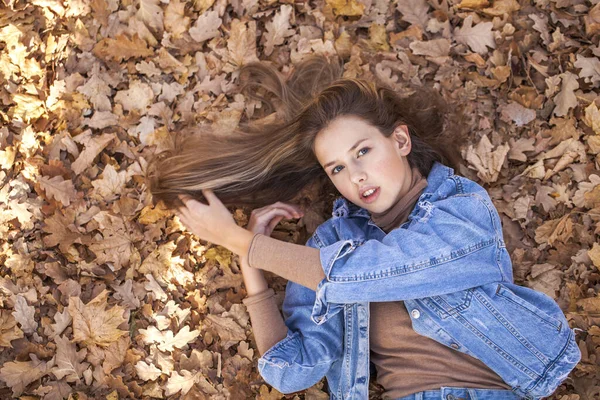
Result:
pixel 449 264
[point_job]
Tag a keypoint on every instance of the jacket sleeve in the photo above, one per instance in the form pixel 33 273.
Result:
pixel 306 354
pixel 454 245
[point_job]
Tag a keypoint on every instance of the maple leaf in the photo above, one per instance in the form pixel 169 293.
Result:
pixel 122 48
pixel 117 243
pixel 93 324
pixel 18 374
pixel 166 341
pixel 115 354
pixel 478 38
pixel 9 330
pixel 242 43
pixel 68 360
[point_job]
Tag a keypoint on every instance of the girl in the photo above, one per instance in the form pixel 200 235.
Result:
pixel 410 276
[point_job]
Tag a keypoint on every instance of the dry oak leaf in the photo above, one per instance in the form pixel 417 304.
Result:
pixel 25 315
pixel 110 185
pixel 414 11
pixel 517 113
pixel 590 68
pixel 228 330
pixel 151 13
pixel 519 147
pixel 93 146
pixel 175 20
pixel 488 163
pixel 478 37
pixel 138 97
pixel 560 229
pixel 18 374
pixel 122 48
pixel 348 8
pixel 594 255
pixel 278 29
pixel 206 26
pixel 93 324
pixel 59 189
pixel 166 341
pixel 147 372
pixel 9 330
pixel 566 99
pixel 69 364
pixel 592 117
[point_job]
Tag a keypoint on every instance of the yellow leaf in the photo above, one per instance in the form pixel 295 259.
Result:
pixel 592 117
pixel 349 8
pixel 594 254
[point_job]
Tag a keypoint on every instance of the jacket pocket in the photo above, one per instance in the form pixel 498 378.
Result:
pixel 531 309
pixel 452 303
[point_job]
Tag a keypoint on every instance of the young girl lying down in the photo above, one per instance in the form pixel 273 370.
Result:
pixel 409 278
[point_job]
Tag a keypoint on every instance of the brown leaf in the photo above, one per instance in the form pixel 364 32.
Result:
pixel 122 48
pixel 18 374
pixel 93 324
pixel 9 330
pixel 69 364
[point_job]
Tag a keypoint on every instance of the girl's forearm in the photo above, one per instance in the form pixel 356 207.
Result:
pixel 267 323
pixel 254 279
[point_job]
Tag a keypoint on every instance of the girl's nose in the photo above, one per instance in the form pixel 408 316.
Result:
pixel 358 176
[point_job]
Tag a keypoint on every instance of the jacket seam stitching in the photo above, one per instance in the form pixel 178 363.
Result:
pixel 534 351
pixel 407 269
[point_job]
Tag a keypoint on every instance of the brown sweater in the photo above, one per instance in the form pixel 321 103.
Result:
pixel 406 362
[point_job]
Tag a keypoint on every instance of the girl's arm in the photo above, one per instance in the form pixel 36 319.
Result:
pixel 266 320
pixel 456 248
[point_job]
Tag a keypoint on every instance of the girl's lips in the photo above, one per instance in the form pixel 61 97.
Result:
pixel 372 197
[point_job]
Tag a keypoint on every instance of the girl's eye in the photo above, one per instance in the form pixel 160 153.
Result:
pixel 360 153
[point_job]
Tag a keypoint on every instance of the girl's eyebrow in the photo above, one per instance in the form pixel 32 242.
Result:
pixel 351 148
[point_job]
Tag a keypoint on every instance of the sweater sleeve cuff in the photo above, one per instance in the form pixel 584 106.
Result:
pixel 258 297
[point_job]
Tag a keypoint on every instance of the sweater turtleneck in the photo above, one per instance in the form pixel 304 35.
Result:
pixel 398 212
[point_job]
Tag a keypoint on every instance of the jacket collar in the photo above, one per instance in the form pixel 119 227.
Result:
pixel 438 175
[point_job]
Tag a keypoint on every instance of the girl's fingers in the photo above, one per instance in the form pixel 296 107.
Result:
pixel 274 223
pixel 210 196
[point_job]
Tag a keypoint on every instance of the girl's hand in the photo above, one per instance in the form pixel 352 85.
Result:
pixel 212 223
pixel 263 220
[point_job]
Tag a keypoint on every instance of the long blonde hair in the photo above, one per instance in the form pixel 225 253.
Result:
pixel 259 164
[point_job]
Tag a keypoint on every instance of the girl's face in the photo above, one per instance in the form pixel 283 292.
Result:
pixel 358 158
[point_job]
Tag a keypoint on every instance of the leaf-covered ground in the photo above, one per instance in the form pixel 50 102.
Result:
pixel 104 296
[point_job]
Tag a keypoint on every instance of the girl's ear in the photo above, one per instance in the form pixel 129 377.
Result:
pixel 402 139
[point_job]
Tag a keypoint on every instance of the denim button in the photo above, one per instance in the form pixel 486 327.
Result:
pixel 415 313
pixel 454 346
pixel 450 397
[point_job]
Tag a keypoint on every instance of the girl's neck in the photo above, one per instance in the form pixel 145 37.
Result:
pixel 398 213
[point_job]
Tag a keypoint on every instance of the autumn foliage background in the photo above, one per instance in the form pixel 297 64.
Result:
pixel 104 296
